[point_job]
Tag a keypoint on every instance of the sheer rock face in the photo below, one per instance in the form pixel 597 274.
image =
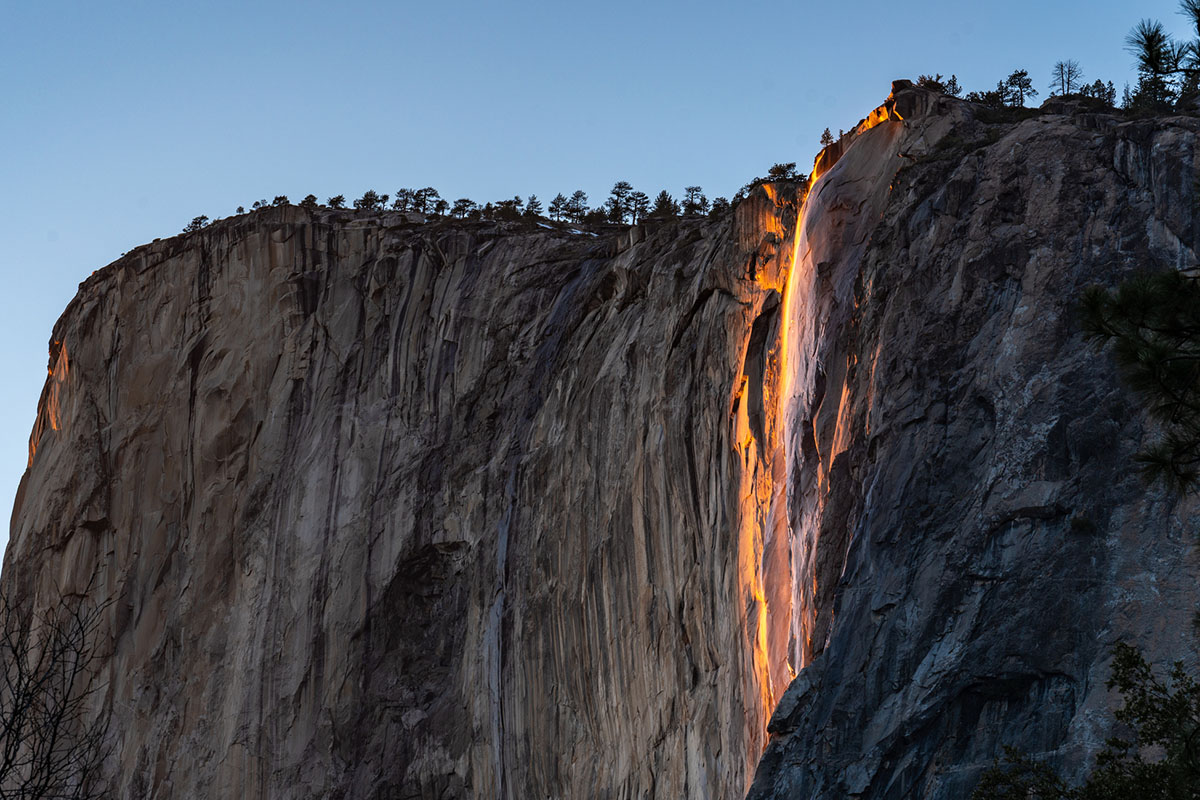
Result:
pixel 971 535
pixel 388 510
pixel 437 511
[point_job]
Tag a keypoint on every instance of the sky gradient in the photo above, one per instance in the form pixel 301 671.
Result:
pixel 122 121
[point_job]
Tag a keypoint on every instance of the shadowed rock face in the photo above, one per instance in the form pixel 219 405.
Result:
pixel 971 537
pixel 448 510
pixel 390 510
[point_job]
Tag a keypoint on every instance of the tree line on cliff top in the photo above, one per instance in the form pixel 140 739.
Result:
pixel 1168 80
pixel 624 205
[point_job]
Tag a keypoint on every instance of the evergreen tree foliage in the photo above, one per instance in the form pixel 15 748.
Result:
pixel 508 210
pixel 370 201
pixel 1160 762
pixel 664 206
pixel 337 201
pixel 309 202
pixel 404 200
pixel 423 200
pixel 196 224
pixel 577 207
pixel 782 172
pixel 533 208
pixel 639 206
pixel 1153 322
pixel 694 201
pixel 558 207
pixel 617 205
pixel 1019 87
pixel 1158 60
pixel 939 84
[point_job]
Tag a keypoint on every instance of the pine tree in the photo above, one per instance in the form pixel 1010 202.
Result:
pixel 694 201
pixel 1154 323
pixel 1158 59
pixel 558 207
pixel 404 200
pixel 617 205
pixel 423 200
pixel 463 206
pixel 337 201
pixel 827 137
pixel 533 207
pixel 370 201
pixel 1020 86
pixel 577 207
pixel 782 172
pixel 639 206
pixel 664 206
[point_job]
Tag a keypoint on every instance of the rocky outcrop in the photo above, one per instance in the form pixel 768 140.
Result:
pixel 388 509
pixel 971 534
pixel 396 510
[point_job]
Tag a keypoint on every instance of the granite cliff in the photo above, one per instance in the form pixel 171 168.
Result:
pixel 388 509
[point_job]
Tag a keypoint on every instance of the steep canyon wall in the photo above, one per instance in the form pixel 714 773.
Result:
pixel 389 509
pixel 411 510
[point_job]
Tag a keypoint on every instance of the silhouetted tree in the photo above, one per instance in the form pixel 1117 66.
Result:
pixel 1106 93
pixel 595 216
pixel 664 206
pixel 826 138
pixel 996 98
pixel 782 171
pixel 240 210
pixel 280 200
pixel 370 201
pixel 258 204
pixel 48 748
pixel 558 207
pixel 1158 58
pixel 1066 77
pixel 639 206
pixel 462 207
pixel 196 224
pixel 1019 86
pixel 508 210
pixel 404 200
pixel 533 207
pixel 424 199
pixel 337 201
pixel 309 202
pixel 617 205
pixel 938 84
pixel 694 201
pixel 577 206
pixel 719 206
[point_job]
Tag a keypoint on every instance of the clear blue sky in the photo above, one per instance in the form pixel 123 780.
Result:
pixel 121 121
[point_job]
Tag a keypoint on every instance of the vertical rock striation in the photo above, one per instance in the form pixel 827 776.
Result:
pixel 391 510
pixel 970 534
pixel 464 510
